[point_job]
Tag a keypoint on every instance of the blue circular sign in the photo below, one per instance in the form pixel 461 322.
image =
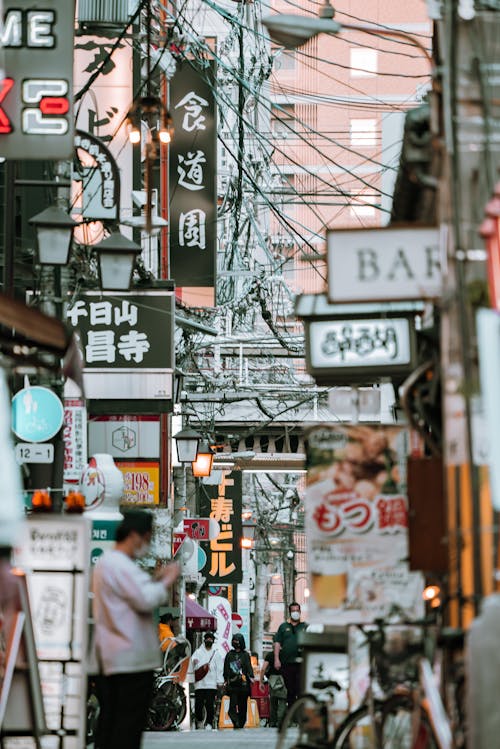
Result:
pixel 37 414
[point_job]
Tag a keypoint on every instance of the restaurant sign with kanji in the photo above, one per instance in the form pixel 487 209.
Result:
pixel 223 503
pixel 127 343
pixel 193 165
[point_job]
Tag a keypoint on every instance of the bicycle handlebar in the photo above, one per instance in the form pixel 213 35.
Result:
pixel 326 684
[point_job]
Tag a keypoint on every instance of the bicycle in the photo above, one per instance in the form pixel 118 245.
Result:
pixel 168 706
pixel 411 715
pixel 311 714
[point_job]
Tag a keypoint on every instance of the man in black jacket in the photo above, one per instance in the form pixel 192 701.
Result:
pixel 238 675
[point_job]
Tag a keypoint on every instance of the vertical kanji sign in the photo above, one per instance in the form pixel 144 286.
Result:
pixel 223 503
pixel 36 84
pixel 193 163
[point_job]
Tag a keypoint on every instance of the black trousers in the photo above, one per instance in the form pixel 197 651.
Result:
pixel 291 676
pixel 238 707
pixel 205 698
pixel 124 700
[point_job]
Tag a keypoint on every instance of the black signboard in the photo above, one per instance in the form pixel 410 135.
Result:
pixel 193 167
pixel 127 343
pixel 223 503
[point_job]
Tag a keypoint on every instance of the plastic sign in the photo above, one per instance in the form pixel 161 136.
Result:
pixel 36 113
pixel 37 414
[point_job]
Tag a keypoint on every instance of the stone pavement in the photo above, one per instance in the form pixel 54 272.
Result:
pixel 262 738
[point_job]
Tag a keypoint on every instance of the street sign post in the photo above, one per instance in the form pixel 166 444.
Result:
pixel 27 452
pixel 177 542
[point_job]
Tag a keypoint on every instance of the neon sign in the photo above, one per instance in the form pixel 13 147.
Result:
pixel 36 117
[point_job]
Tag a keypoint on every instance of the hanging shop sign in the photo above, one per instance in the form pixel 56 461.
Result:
pixel 126 436
pixel 37 414
pixel 356 520
pixel 223 503
pixel 36 110
pixel 75 439
pixel 193 168
pixel 363 343
pixel 127 343
pixel 384 264
pixel 103 168
pixel 54 552
pixel 97 172
pixel 141 482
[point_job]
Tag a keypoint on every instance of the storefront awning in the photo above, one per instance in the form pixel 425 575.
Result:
pixel 198 619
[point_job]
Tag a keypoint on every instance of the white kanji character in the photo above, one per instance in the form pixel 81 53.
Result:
pixel 193 118
pixel 101 346
pixel 128 313
pixel 100 313
pixel 192 229
pixel 76 311
pixel 133 345
pixel 190 170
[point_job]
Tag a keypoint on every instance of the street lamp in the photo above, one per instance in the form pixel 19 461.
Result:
pixel 202 466
pixel 291 30
pixel 187 441
pixel 54 234
pixel 116 255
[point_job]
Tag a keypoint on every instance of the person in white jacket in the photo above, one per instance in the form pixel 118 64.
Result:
pixel 125 640
pixel 205 690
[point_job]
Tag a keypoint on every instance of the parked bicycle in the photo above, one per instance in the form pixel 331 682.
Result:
pixel 309 721
pixel 168 705
pixel 410 713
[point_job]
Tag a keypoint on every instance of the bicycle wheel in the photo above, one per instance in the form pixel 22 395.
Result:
pixel 357 731
pixel 178 700
pixel 303 725
pixel 401 728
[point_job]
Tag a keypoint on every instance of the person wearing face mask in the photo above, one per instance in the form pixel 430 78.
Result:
pixel 238 675
pixel 286 652
pixel 205 689
pixel 125 643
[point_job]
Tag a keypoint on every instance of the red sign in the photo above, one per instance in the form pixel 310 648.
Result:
pixel 177 542
pixel 237 620
pixel 197 528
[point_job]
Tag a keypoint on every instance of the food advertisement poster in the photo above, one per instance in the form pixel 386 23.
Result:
pixel 357 524
pixel 141 482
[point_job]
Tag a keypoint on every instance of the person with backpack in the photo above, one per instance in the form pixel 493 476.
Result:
pixel 238 675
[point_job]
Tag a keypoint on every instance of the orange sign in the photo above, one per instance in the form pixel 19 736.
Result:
pixel 141 482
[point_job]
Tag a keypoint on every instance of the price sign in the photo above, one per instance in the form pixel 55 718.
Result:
pixel 29 452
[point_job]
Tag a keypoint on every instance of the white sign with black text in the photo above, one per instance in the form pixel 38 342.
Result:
pixel 359 343
pixel 384 264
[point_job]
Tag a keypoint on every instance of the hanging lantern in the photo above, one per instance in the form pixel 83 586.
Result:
pixel 202 466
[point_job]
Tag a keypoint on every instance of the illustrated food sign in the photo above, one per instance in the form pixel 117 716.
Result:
pixel 193 176
pixel 36 112
pixel 384 264
pixel 357 524
pixel 223 503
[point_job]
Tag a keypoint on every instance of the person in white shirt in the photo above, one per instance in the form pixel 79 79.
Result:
pixel 125 639
pixel 205 690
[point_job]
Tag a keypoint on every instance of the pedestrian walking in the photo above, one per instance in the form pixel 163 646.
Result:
pixel 277 690
pixel 125 639
pixel 208 675
pixel 287 652
pixel 238 675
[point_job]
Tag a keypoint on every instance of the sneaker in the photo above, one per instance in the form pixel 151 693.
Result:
pixel 208 727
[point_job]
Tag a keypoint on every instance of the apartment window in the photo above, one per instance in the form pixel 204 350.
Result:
pixel 283 119
pixel 284 59
pixel 363 205
pixel 364 63
pixel 363 133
